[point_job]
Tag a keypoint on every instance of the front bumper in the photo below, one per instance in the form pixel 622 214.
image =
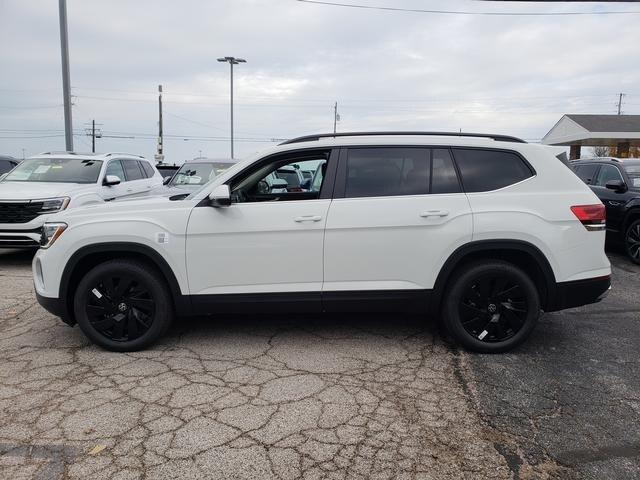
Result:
pixel 19 238
pixel 579 292
pixel 55 306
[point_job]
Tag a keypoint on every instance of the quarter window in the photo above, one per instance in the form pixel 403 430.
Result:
pixel 606 174
pixel 132 169
pixel 486 170
pixel 381 172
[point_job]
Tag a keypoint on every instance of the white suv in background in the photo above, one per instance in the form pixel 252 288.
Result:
pixel 481 231
pixel 55 181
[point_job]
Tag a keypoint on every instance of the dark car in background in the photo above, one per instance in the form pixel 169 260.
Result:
pixel 616 182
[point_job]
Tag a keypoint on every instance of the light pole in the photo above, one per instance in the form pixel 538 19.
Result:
pixel 66 83
pixel 232 61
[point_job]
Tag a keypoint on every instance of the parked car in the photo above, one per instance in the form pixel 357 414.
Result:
pixel 7 163
pixel 482 231
pixel 51 182
pixel 616 182
pixel 193 174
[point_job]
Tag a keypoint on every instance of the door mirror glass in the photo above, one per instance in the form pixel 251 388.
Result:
pixel 616 185
pixel 221 196
pixel 111 180
pixel 166 180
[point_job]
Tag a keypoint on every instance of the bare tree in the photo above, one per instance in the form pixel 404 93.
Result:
pixel 600 151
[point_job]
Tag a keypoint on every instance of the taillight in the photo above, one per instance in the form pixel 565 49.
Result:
pixel 593 217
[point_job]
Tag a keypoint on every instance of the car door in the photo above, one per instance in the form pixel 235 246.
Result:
pixel 136 178
pixel 614 201
pixel 264 246
pixel 112 192
pixel 397 213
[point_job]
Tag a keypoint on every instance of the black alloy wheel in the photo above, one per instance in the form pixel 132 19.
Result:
pixel 123 305
pixel 632 241
pixel 120 307
pixel 492 306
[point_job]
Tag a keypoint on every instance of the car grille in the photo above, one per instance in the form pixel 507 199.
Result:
pixel 19 212
pixel 14 241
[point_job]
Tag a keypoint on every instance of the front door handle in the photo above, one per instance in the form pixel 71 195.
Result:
pixel 434 213
pixel 308 218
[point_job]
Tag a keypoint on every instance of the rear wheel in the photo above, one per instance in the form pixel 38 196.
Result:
pixel 123 305
pixel 491 307
pixel 632 241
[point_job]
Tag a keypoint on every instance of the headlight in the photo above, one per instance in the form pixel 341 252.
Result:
pixel 51 205
pixel 50 233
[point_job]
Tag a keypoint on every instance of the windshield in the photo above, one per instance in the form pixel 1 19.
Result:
pixel 634 174
pixel 62 170
pixel 198 173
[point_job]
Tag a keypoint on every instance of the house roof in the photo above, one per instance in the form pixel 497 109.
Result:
pixel 607 123
pixel 580 129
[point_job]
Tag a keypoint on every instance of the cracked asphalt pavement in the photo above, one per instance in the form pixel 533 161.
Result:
pixel 344 397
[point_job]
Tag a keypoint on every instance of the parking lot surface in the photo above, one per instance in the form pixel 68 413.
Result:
pixel 342 397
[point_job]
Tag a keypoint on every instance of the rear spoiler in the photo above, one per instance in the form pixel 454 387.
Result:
pixel 563 158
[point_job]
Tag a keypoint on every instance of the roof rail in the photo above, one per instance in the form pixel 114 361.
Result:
pixel 497 138
pixel 64 152
pixel 123 153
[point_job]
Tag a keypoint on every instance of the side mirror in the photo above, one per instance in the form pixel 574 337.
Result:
pixel 616 185
pixel 111 180
pixel 166 180
pixel 221 196
pixel 279 184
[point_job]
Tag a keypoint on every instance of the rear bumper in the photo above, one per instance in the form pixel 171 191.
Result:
pixel 579 292
pixel 55 306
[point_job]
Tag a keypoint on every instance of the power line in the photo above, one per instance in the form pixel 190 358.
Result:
pixel 464 12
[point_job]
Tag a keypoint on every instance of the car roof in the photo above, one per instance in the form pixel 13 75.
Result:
pixel 88 156
pixel 611 160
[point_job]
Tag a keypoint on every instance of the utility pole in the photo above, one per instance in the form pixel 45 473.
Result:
pixel 93 133
pixel 336 117
pixel 620 97
pixel 160 155
pixel 232 61
pixel 66 82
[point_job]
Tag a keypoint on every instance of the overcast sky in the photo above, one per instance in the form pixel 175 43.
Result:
pixel 387 70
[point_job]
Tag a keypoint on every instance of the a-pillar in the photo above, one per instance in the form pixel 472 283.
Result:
pixel 622 150
pixel 574 152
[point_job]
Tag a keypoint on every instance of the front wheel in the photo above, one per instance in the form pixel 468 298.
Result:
pixel 491 306
pixel 123 305
pixel 632 241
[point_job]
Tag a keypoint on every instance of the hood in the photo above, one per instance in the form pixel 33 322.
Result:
pixel 35 190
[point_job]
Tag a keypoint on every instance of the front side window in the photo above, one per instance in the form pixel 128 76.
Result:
pixel 486 170
pixel 63 170
pixel 387 171
pixel 280 179
pixel 198 173
pixel 115 168
pixel 606 174
pixel 633 171
pixel 132 169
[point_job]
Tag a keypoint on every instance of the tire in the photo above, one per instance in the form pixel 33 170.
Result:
pixel 490 306
pixel 632 241
pixel 123 305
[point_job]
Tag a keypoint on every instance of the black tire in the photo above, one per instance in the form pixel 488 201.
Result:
pixel 632 241
pixel 123 305
pixel 490 306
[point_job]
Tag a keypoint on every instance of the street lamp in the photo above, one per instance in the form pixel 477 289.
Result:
pixel 232 61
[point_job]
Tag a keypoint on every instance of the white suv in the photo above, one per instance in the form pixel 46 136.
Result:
pixel 54 181
pixel 482 231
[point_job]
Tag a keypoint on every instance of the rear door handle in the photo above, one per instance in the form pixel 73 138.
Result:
pixel 308 218
pixel 434 213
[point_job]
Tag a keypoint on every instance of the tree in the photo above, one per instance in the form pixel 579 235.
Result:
pixel 601 151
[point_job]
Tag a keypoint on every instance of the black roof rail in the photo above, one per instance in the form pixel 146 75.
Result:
pixel 309 138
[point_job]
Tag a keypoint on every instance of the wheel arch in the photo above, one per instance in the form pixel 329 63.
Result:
pixel 85 258
pixel 520 253
pixel 633 213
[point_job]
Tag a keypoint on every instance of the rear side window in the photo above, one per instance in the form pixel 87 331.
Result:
pixel 132 169
pixel 381 172
pixel 443 174
pixel 586 172
pixel 147 169
pixel 486 170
